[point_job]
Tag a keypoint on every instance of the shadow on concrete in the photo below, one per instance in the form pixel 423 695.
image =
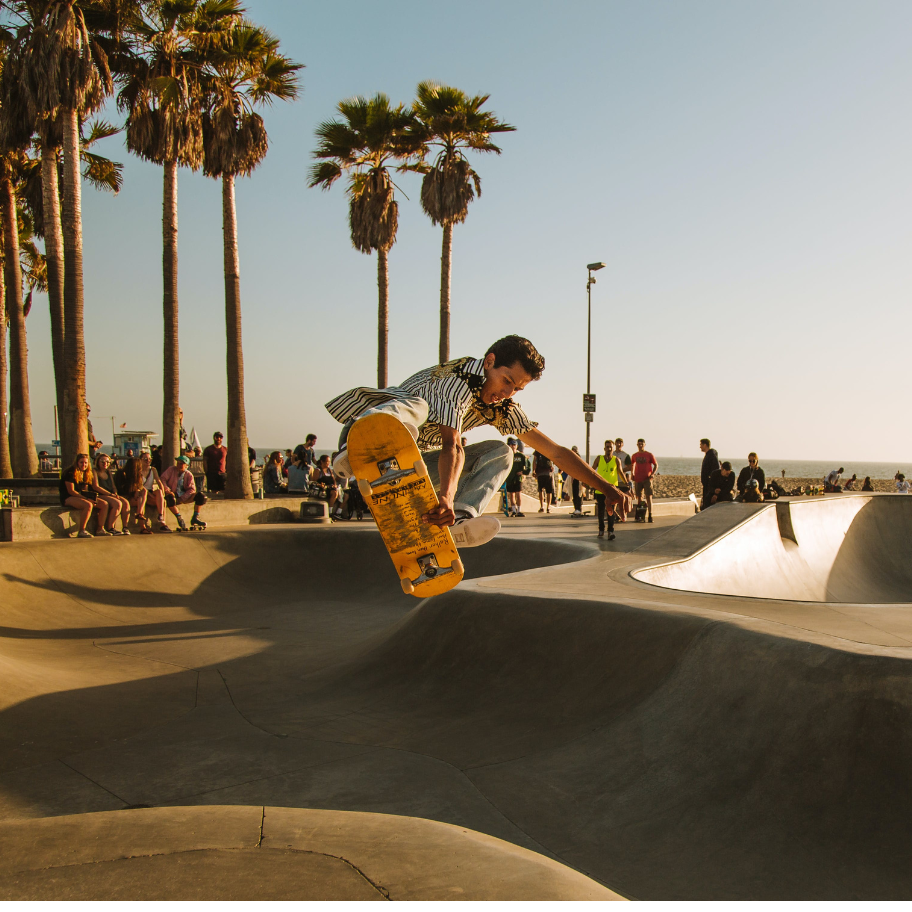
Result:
pixel 666 755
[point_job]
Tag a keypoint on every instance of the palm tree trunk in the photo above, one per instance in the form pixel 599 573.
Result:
pixel 23 455
pixel 445 260
pixel 237 484
pixel 171 389
pixel 74 432
pixel 53 250
pixel 382 319
pixel 6 470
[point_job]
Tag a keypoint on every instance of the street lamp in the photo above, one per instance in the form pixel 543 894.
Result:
pixel 590 405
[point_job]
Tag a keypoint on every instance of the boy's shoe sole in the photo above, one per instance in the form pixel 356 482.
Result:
pixel 475 531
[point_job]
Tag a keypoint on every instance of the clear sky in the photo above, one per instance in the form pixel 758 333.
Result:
pixel 742 168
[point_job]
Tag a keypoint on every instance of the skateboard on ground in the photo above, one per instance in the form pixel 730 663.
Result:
pixel 393 480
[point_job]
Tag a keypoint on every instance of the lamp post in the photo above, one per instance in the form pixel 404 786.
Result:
pixel 592 267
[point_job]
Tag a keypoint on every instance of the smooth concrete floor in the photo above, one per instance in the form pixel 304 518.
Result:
pixel 666 744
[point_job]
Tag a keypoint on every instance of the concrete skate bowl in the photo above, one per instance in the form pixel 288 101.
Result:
pixel 850 549
pixel 665 753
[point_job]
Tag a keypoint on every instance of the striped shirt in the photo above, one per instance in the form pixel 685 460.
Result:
pixel 453 394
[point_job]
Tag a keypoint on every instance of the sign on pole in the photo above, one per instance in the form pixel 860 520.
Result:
pixel 588 402
pixel 589 416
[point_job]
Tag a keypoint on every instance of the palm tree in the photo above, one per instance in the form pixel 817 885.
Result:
pixel 370 136
pixel 243 72
pixel 164 125
pixel 62 70
pixel 40 191
pixel 23 455
pixel 6 469
pixel 452 122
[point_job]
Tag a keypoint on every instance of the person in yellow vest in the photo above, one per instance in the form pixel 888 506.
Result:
pixel 610 468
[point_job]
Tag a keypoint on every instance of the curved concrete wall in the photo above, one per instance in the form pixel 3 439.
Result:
pixel 835 549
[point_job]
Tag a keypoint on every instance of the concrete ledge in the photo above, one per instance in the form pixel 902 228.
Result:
pixel 263 853
pixel 36 523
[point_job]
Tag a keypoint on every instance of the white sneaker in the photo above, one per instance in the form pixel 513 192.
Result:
pixel 472 531
pixel 84 535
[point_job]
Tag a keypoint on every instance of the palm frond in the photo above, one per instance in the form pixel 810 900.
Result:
pixel 102 173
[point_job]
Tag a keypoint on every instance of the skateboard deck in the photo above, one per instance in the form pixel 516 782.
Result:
pixel 393 479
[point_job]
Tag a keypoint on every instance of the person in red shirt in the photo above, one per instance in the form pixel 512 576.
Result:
pixel 644 467
pixel 215 458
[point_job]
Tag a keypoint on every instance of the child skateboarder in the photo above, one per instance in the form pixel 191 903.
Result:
pixel 439 404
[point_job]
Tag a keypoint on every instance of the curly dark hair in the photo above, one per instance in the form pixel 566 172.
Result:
pixel 512 350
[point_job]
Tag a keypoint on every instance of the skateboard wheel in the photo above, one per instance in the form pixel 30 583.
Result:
pixel 457 567
pixel 420 468
pixel 364 487
pixel 407 587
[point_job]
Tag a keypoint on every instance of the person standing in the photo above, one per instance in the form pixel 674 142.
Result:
pixel 710 464
pixel 610 468
pixel 644 467
pixel 624 460
pixel 514 481
pixel 542 466
pixel 577 494
pixel 215 460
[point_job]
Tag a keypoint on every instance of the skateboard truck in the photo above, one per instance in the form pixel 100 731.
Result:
pixel 391 473
pixel 430 569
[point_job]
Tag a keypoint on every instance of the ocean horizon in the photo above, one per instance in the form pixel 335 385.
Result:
pixel 686 465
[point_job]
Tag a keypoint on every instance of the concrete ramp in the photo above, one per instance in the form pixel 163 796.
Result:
pixel 854 549
pixel 654 740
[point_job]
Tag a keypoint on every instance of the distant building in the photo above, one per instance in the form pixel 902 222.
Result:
pixel 137 441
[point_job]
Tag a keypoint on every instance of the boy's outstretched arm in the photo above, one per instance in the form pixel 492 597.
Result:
pixel 449 467
pixel 570 463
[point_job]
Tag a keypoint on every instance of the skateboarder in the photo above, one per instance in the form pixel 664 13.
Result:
pixel 439 404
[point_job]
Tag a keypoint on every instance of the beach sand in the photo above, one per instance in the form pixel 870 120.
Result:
pixel 682 485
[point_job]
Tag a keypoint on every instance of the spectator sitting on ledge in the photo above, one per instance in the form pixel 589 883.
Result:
pixel 273 479
pixel 721 484
pixel 752 492
pixel 867 486
pixel 180 488
pixel 77 493
pixel 298 476
pixel 751 471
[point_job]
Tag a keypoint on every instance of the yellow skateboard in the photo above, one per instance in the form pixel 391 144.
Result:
pixel 394 482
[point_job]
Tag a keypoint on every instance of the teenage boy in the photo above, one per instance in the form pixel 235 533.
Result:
pixel 721 485
pixel 180 488
pixel 439 404
pixel 612 470
pixel 644 467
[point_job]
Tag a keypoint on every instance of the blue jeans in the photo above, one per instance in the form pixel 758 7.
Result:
pixel 486 467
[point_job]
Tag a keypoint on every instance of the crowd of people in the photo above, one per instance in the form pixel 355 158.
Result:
pixel 123 493
pixel 120 490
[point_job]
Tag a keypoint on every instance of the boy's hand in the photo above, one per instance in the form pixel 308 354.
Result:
pixel 442 515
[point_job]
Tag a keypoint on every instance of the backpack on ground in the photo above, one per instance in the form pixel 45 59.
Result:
pixel 639 514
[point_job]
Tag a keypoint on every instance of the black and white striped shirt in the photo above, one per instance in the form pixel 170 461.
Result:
pixel 452 392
